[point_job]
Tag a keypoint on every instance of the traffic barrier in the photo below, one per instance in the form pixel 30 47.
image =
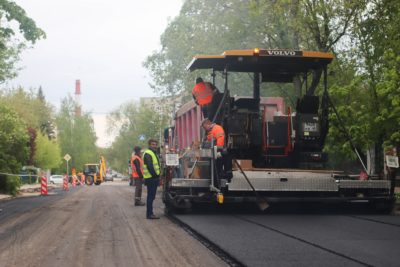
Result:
pixel 65 184
pixel 73 180
pixel 43 188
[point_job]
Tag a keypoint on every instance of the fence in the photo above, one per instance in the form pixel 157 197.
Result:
pixel 24 178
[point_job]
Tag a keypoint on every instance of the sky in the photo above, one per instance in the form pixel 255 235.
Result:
pixel 100 42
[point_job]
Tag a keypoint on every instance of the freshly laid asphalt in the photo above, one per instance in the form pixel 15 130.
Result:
pixel 288 239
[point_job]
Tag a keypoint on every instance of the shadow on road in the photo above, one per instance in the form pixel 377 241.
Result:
pixel 286 208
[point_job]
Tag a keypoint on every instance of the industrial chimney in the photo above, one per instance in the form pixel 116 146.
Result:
pixel 78 108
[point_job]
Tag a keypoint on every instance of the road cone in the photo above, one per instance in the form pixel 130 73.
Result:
pixel 43 188
pixel 65 184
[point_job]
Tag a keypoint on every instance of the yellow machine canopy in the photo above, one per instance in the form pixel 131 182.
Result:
pixel 274 65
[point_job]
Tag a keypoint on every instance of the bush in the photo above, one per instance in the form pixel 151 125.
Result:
pixel 10 184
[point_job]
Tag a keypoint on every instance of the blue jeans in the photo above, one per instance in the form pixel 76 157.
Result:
pixel 152 184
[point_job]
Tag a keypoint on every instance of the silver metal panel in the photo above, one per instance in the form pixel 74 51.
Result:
pixel 182 182
pixel 374 184
pixel 309 184
pixel 283 174
pixel 205 152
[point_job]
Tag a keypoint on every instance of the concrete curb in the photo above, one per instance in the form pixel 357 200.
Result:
pixel 27 190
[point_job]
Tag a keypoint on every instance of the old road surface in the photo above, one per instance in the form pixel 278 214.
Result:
pixel 93 226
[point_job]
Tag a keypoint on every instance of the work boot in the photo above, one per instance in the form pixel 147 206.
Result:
pixel 139 203
pixel 152 217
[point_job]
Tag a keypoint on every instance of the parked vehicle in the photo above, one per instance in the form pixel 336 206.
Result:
pixel 56 179
pixel 109 177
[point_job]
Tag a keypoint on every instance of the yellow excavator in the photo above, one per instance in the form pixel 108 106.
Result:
pixel 95 172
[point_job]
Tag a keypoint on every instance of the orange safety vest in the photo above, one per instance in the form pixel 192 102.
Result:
pixel 203 93
pixel 218 133
pixel 135 173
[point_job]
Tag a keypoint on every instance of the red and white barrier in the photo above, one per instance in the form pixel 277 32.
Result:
pixel 65 184
pixel 43 188
pixel 74 180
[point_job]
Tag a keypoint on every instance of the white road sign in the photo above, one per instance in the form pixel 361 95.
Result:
pixel 67 157
pixel 172 159
pixel 392 161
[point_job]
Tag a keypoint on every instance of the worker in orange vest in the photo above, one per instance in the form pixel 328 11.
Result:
pixel 203 94
pixel 224 160
pixel 137 175
pixel 214 131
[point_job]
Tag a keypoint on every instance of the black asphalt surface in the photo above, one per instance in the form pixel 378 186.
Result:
pixel 301 238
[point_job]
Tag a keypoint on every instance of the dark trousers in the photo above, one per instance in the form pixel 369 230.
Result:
pixel 152 184
pixel 138 189
pixel 204 110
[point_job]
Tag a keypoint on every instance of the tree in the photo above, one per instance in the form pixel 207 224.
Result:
pixel 76 135
pixel 13 140
pixel 32 107
pixel 374 89
pixel 362 34
pixel 48 153
pixel 202 27
pixel 10 44
pixel 135 123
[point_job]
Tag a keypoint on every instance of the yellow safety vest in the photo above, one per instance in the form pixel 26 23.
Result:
pixel 146 173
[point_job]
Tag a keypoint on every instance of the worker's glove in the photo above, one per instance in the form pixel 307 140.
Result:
pixel 219 155
pixel 224 152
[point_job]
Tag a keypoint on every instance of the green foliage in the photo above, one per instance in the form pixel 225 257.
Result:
pixel 48 153
pixel 32 107
pixel 369 101
pixel 10 44
pixel 36 113
pixel 131 121
pixel 364 35
pixel 202 27
pixel 76 135
pixel 388 92
pixel 9 184
pixel 13 183
pixel 13 140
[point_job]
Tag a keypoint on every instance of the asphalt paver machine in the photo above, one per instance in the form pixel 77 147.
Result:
pixel 277 151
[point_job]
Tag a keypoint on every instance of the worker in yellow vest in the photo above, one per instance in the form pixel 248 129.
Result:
pixel 151 175
pixel 137 175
